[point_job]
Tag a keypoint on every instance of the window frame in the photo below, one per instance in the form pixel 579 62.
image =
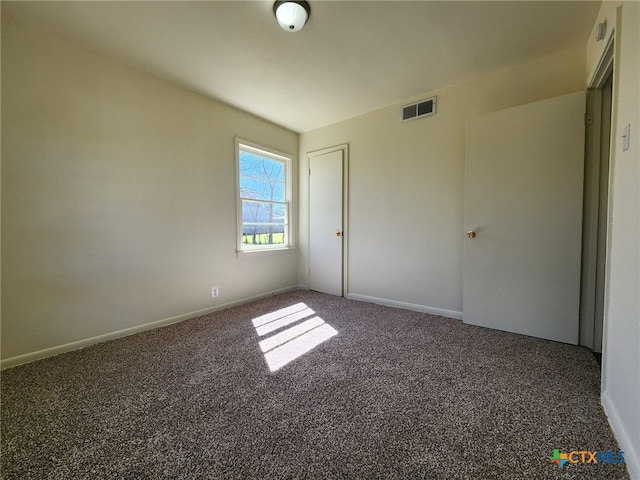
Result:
pixel 271 154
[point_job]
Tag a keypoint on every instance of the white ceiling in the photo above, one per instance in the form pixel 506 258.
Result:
pixel 350 58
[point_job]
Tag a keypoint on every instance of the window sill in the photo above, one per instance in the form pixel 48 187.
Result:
pixel 267 251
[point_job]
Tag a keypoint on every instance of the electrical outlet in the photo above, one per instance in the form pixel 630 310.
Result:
pixel 215 292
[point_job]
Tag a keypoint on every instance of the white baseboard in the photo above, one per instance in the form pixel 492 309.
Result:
pixel 631 452
pixel 406 306
pixel 68 347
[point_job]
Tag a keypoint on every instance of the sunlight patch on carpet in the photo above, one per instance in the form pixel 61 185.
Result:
pixel 304 332
pixel 284 321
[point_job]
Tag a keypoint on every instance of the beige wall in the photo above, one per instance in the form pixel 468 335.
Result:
pixel 118 198
pixel 406 185
pixel 621 342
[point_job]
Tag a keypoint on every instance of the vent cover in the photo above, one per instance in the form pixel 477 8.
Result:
pixel 423 108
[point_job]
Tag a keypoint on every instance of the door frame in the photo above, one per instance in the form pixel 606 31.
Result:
pixel 345 209
pixel 589 288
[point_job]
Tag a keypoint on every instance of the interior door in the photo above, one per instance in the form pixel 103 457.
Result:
pixel 523 202
pixel 326 233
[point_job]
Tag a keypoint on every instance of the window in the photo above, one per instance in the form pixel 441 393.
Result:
pixel 263 198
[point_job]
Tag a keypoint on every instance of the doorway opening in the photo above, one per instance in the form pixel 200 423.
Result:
pixel 596 206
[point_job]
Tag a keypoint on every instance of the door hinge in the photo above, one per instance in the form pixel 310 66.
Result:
pixel 588 119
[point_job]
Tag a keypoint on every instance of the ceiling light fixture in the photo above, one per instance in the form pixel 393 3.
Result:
pixel 292 15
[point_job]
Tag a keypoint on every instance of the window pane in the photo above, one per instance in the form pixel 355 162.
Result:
pixel 264 223
pixel 261 178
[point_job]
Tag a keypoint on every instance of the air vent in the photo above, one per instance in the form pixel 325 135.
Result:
pixel 423 108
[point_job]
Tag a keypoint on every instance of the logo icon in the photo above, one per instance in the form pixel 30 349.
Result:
pixel 559 458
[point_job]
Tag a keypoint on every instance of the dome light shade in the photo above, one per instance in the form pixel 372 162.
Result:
pixel 292 15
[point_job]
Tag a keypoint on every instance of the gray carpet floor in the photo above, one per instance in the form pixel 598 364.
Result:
pixel 392 394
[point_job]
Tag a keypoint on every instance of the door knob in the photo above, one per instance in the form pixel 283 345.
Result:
pixel 471 234
pixel 338 233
